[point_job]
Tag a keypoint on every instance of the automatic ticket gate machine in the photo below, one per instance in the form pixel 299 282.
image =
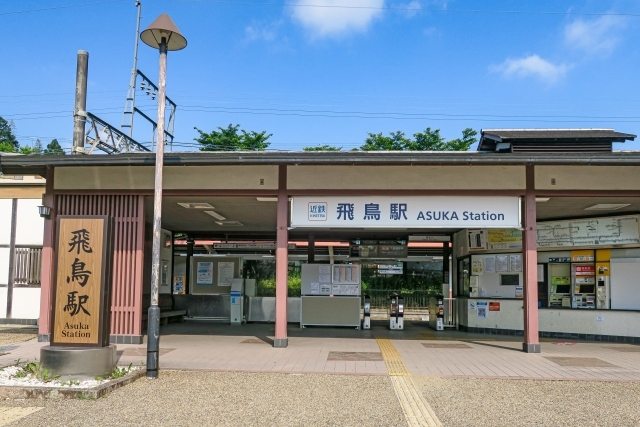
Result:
pixel 237 303
pixel 366 318
pixel 396 314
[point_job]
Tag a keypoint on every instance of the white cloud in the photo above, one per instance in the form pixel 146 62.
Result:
pixel 411 9
pixel 335 18
pixel 599 36
pixel 534 66
pixel 261 31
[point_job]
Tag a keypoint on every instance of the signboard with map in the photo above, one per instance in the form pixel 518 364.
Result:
pixel 619 230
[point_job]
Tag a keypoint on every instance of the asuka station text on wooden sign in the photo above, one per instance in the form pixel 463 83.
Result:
pixel 83 281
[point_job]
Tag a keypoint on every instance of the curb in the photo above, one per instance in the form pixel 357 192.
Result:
pixel 17 392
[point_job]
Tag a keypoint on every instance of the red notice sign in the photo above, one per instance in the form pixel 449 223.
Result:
pixel 494 306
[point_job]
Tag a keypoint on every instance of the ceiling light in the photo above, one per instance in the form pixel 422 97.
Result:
pixel 542 199
pixel 267 199
pixel 216 215
pixel 230 223
pixel 200 205
pixel 607 206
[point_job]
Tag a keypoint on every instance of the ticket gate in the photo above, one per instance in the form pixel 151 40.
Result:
pixel 366 318
pixel 396 314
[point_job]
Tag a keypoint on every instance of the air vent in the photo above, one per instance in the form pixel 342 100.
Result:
pixel 607 206
pixel 196 205
pixel 216 215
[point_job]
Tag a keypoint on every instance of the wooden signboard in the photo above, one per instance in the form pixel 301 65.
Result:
pixel 83 274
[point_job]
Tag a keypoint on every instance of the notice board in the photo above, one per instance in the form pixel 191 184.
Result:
pixel 211 275
pixel 82 284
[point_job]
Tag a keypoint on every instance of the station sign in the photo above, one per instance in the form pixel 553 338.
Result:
pixel 82 284
pixel 406 212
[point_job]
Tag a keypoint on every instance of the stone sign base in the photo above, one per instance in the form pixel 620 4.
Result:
pixel 78 363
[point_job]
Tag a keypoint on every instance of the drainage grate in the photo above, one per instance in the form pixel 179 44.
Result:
pixel 581 362
pixel 353 356
pixel 445 345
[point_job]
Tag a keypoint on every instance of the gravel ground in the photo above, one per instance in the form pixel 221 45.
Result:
pixel 15 335
pixel 495 402
pixel 198 398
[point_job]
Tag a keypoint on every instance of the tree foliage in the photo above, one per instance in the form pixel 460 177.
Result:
pixel 8 141
pixel 232 138
pixel 428 140
pixel 325 147
pixel 54 148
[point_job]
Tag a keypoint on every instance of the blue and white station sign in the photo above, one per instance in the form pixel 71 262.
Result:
pixel 406 212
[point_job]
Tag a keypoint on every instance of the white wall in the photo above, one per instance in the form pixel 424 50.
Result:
pixel 29 228
pixel 511 316
pixel 490 282
pixel 4 266
pixel 26 303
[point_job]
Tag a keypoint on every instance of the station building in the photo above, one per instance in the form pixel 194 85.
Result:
pixel 541 228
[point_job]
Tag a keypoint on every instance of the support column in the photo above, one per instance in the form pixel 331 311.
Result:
pixel 48 256
pixel 446 252
pixel 12 256
pixel 187 277
pixel 282 260
pixel 530 263
pixel 311 249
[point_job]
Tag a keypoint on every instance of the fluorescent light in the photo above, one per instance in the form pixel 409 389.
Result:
pixel 267 199
pixel 216 215
pixel 607 206
pixel 229 223
pixel 201 205
pixel 542 199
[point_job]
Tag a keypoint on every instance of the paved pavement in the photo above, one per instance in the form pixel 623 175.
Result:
pixel 429 378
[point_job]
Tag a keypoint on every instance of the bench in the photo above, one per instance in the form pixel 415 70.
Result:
pixel 165 302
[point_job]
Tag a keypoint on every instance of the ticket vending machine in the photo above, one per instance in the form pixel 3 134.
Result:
pixel 396 314
pixel 237 303
pixel 603 286
pixel 366 318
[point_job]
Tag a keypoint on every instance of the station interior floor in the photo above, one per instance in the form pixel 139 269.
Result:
pixel 413 330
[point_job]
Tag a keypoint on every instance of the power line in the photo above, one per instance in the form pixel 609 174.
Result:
pixel 414 9
pixel 58 7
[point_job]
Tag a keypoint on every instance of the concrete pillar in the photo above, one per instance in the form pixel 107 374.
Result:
pixel 530 263
pixel 282 260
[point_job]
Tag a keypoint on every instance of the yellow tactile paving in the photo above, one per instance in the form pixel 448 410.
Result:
pixel 393 360
pixel 416 410
pixel 9 414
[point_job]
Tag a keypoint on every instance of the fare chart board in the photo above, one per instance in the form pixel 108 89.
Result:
pixel 619 230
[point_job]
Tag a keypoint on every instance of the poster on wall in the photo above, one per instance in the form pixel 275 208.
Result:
pixel 502 263
pixel 482 310
pixel 204 274
pixel 515 263
pixel 225 273
pixel 477 267
pixel 490 264
pixel 519 291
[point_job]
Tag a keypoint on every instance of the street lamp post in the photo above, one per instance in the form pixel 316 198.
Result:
pixel 162 34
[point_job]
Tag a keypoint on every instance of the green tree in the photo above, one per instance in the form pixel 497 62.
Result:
pixel 325 147
pixel 8 141
pixel 396 141
pixel 463 144
pixel 37 147
pixel 54 148
pixel 429 140
pixel 233 138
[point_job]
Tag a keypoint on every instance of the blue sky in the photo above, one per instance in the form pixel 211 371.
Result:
pixel 312 73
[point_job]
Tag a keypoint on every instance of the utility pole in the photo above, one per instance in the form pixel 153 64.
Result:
pixel 12 257
pixel 80 111
pixel 129 106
